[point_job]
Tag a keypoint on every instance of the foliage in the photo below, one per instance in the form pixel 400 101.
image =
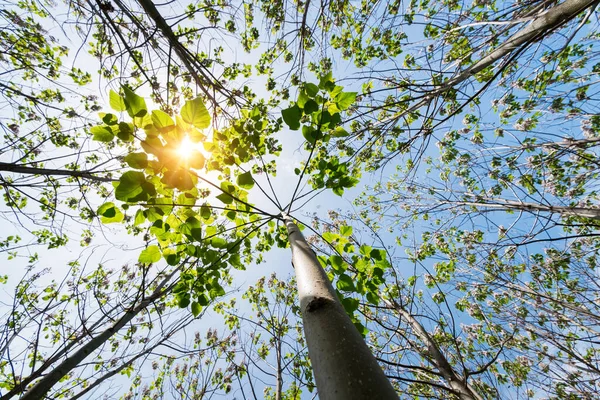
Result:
pixel 470 268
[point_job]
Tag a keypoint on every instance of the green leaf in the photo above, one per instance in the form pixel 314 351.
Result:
pixel 365 250
pixel 302 98
pixel 346 230
pixel 345 283
pixel 311 134
pixel 179 179
pixel 350 305
pixel 372 298
pixel 110 213
pixel 162 121
pixel 136 160
pixel 116 102
pixel 205 212
pixel 362 264
pixel 326 82
pixel 216 289
pixel 337 263
pixel 339 132
pixel 130 185
pixel 330 237
pixel 109 119
pixel 378 254
pixel 192 228
pixel 203 300
pixel 150 255
pixel 311 89
pixel 218 243
pixel 194 112
pixel 102 133
pixel 139 218
pixel 245 180
pixel 345 99
pixel 291 116
pixel 183 300
pixel 136 105
pixel 125 131
pixel 225 198
pixel 236 261
pixel 171 256
pixel 310 107
pixel 196 309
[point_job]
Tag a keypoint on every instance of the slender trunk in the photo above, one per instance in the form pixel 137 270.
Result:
pixel 344 367
pixel 454 380
pixel 585 212
pixel 108 375
pixel 39 390
pixel 22 169
pixel 279 388
pixel 541 25
pixel 191 65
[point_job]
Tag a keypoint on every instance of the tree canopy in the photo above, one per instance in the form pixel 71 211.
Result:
pixel 440 156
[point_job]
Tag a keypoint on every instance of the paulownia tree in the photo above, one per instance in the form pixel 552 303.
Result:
pixel 533 62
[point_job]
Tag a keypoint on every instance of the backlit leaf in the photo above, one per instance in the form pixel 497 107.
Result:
pixel 150 255
pixel 110 213
pixel 345 283
pixel 162 121
pixel 345 99
pixel 130 185
pixel 136 105
pixel 245 180
pixel 194 112
pixel 136 160
pixel 102 133
pixel 116 102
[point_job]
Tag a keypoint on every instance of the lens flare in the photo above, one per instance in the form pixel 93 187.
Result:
pixel 186 148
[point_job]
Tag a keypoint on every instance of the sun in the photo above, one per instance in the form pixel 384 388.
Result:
pixel 186 148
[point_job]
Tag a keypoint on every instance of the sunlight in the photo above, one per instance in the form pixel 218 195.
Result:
pixel 186 148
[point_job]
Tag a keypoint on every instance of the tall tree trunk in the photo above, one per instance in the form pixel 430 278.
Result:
pixel 279 388
pixel 344 367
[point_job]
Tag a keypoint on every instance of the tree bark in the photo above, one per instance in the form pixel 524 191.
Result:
pixel 343 365
pixel 191 65
pixel 501 204
pixel 454 380
pixel 543 23
pixel 22 169
pixel 540 26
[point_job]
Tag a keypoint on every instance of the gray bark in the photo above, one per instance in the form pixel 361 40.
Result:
pixel 344 367
pixel 543 23
pixel 23 169
pixel 457 383
pixel 538 28
pixel 585 212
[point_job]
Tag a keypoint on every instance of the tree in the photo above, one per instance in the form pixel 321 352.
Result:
pixel 501 222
